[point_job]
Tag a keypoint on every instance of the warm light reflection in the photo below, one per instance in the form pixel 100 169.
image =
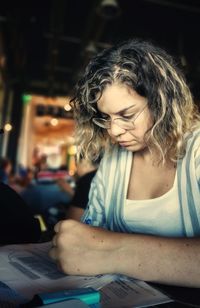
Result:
pixel 72 150
pixel 67 107
pixel 71 172
pixel 54 122
pixel 7 127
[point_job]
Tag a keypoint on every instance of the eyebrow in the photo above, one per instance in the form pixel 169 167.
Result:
pixel 119 112
pixel 124 110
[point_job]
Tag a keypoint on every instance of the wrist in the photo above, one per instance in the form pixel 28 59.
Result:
pixel 113 253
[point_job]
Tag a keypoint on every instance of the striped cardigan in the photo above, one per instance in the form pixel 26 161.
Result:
pixel 109 189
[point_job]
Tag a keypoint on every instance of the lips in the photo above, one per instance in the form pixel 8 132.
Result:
pixel 124 144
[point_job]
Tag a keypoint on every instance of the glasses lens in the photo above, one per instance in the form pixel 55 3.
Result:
pixel 123 123
pixel 101 122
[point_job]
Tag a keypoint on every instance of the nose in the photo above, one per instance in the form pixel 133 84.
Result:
pixel 116 130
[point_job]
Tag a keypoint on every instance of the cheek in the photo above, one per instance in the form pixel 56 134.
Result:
pixel 140 131
pixel 147 124
pixel 150 120
pixel 112 137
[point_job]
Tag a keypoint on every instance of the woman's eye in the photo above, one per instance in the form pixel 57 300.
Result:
pixel 128 116
pixel 105 116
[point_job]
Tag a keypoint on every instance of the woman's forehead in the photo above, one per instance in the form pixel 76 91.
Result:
pixel 118 97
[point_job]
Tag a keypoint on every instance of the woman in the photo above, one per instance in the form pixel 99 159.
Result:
pixel 144 204
pixel 5 170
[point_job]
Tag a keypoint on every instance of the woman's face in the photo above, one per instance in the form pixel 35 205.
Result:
pixel 120 101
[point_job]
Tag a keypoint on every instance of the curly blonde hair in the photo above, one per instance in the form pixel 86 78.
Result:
pixel 153 74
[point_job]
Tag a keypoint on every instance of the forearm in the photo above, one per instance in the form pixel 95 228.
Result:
pixel 66 187
pixel 81 249
pixel 74 212
pixel 158 259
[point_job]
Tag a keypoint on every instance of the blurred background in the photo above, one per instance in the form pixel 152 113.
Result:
pixel 44 47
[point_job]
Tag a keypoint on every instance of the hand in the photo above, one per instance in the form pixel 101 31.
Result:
pixel 80 249
pixel 65 187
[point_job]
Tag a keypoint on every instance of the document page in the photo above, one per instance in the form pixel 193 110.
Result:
pixel 26 270
pixel 129 293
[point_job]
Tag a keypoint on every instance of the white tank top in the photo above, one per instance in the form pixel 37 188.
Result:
pixel 159 216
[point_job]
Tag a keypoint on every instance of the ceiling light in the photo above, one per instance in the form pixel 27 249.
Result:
pixel 8 127
pixel 91 48
pixel 67 107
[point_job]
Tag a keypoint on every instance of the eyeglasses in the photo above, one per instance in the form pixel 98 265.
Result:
pixel 121 122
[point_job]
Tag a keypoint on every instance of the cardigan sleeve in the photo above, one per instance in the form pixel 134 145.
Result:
pixel 189 188
pixel 95 212
pixel 106 197
pixel 197 162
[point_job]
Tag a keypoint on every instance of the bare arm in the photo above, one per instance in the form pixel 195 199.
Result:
pixel 85 250
pixel 172 261
pixel 65 187
pixel 74 212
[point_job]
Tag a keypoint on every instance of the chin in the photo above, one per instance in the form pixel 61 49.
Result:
pixel 134 147
pixel 130 147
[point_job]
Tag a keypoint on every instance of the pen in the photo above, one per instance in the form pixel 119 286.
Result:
pixel 88 221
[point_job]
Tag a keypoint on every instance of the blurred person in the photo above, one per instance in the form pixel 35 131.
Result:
pixel 17 224
pixel 66 186
pixel 41 167
pixel 85 171
pixel 5 169
pixel 23 178
pixel 143 214
pixel 45 195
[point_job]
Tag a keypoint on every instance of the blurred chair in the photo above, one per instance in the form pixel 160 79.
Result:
pixel 17 224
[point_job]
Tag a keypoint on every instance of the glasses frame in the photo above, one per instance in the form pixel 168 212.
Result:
pixel 107 124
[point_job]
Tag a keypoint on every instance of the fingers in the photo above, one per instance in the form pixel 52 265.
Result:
pixel 54 241
pixel 53 253
pixel 66 225
pixel 62 225
pixel 57 227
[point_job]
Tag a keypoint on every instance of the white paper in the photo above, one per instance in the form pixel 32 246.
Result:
pixel 28 270
pixel 129 293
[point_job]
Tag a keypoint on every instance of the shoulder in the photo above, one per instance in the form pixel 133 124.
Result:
pixel 193 136
pixel 191 160
pixel 193 143
pixel 86 178
pixel 11 201
pixel 113 163
pixel 114 154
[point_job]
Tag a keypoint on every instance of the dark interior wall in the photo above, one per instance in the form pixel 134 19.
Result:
pixel 48 43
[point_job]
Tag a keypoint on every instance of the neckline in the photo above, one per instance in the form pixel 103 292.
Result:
pixel 165 195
